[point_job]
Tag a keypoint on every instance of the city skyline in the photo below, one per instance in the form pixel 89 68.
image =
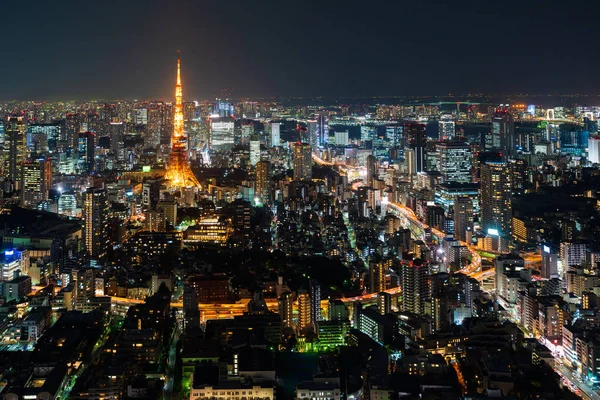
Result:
pixel 299 48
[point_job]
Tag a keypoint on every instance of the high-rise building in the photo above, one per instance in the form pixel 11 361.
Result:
pixel 447 130
pixel 254 150
pixel 263 181
pixel 117 132
pixel 313 133
pixel 86 152
pixel 495 203
pixel 222 134
pixel 286 309
pixel 179 174
pixel 341 138
pixel 384 303
pixel 304 311
pixel 85 286
pixel 95 223
pixel 415 285
pixel 454 161
pixel 378 269
pixel 594 149
pixel 315 303
pixel 15 143
pixel 371 170
pixel 502 137
pixel 463 218
pixel 302 162
pixel 416 140
pixel 322 126
pixel 36 181
pixel 275 134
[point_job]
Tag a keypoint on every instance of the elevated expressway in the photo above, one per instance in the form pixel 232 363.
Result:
pixel 419 229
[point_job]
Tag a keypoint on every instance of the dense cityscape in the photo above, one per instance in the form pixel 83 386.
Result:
pixel 326 247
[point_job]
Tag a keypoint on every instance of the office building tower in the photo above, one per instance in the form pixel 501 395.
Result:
pixel 72 129
pixel 302 162
pixel 263 181
pixel 304 312
pixel 95 223
pixel 495 202
pixel 315 303
pixel 254 150
pixel 222 109
pixel 447 130
pixel 337 311
pixel 549 268
pixel 169 210
pixel 415 139
pixel 42 138
pixel 286 309
pixel 15 143
pixel 140 116
pixel 341 138
pixel 594 149
pixel 36 181
pixel 313 134
pixel 415 285
pixel 154 128
pixel 454 161
pixel 502 136
pixel 463 218
pixel 518 176
pixel 222 134
pixel 275 134
pixel 572 254
pixel 322 132
pixel 86 153
pixel 67 204
pixel 117 133
pixel 371 170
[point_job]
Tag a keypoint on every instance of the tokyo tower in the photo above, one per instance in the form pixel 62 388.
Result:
pixel 179 173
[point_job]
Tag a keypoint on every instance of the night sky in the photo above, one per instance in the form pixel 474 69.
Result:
pixel 127 49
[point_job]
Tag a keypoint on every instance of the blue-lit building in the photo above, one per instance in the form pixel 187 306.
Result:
pixel 573 139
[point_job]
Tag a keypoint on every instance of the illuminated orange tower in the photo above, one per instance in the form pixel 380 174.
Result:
pixel 179 173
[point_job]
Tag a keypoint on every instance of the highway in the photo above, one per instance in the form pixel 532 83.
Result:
pixel 473 269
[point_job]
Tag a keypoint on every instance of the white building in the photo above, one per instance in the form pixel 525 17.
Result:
pixel 341 138
pixel 594 149
pixel 275 134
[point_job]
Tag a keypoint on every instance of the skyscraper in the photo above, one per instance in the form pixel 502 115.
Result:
pixel 378 269
pixel 495 203
pixel 304 311
pixel 263 181
pixel 416 140
pixel 15 141
pixel 415 285
pixel 254 150
pixel 454 161
pixel 36 181
pixel 315 303
pixel 322 127
pixel 502 137
pixel 371 169
pixel 286 308
pixel 302 162
pixel 85 152
pixel 179 174
pixel 463 217
pixel 447 130
pixel 275 134
pixel 95 223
